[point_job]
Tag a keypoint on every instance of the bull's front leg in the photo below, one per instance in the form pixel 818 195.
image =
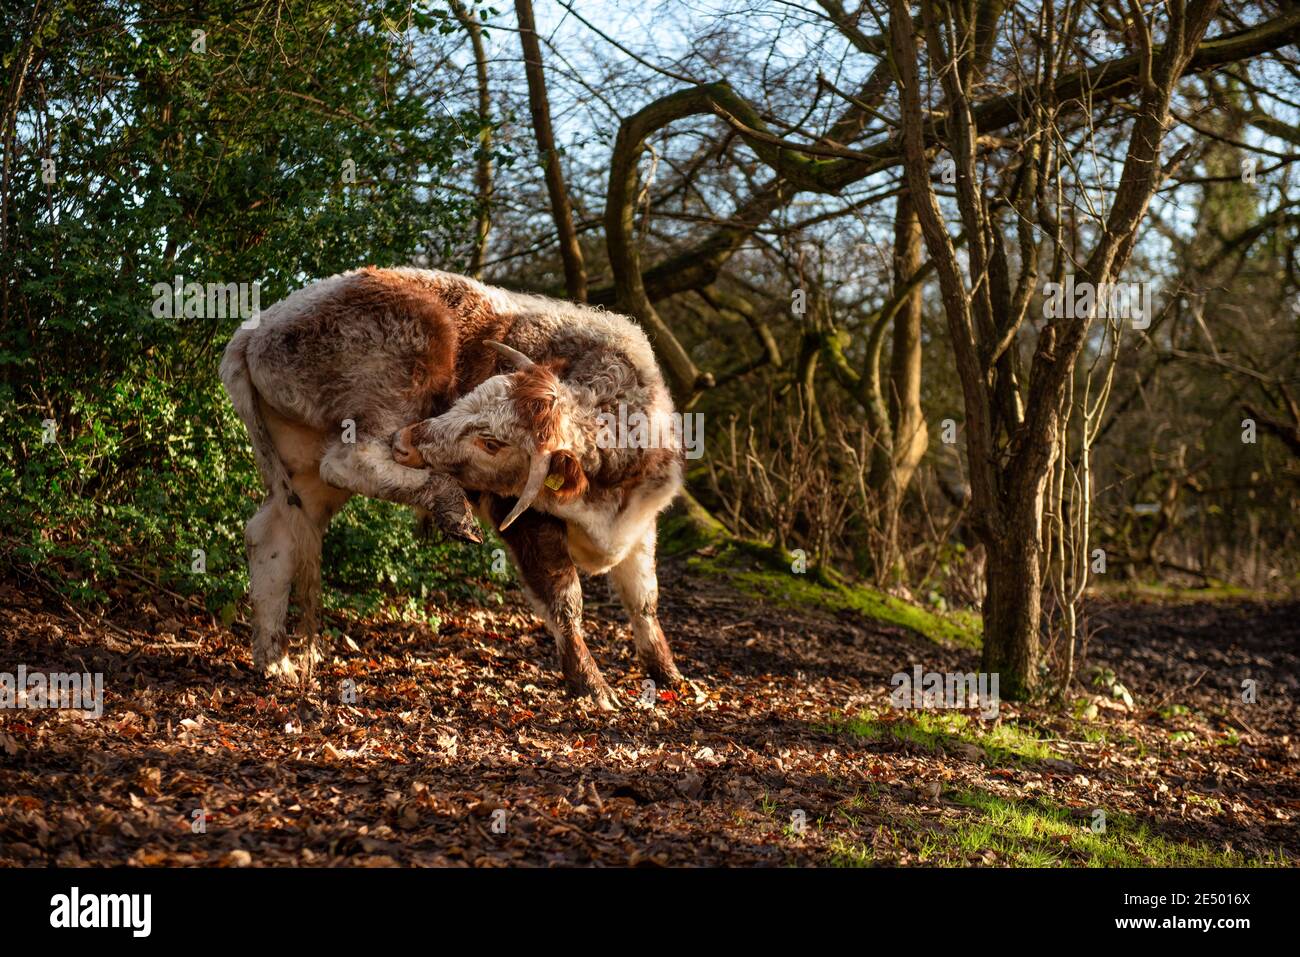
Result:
pixel 637 584
pixel 540 550
pixel 366 467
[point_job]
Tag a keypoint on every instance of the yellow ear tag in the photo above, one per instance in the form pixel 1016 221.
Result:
pixel 555 481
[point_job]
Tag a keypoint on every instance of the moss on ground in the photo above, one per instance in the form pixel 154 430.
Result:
pixel 688 527
pixel 1213 590
pixel 938 731
pixel 766 572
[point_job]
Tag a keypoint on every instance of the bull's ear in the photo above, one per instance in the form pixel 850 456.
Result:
pixel 533 396
pixel 566 478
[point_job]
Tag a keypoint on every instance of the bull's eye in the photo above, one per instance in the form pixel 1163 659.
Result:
pixel 488 444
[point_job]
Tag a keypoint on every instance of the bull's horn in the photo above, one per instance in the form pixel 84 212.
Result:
pixel 537 472
pixel 514 355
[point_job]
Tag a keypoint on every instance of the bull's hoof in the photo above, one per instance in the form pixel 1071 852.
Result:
pixel 271 656
pixel 466 531
pixel 659 665
pixel 280 669
pixel 668 677
pixel 450 510
pixel 453 525
pixel 596 693
pixel 318 652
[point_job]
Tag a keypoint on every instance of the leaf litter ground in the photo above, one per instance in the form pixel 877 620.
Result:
pixel 461 749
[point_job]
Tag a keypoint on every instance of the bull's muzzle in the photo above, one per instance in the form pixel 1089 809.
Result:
pixel 404 451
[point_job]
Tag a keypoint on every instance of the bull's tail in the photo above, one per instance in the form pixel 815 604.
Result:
pixel 243 396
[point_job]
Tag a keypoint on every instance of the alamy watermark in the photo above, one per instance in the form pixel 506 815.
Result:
pixel 81 691
pixel 932 689
pixel 75 909
pixel 637 430
pixel 208 300
pixel 1086 300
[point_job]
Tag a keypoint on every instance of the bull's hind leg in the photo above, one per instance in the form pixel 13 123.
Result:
pixel 272 561
pixel 637 585
pixel 538 544
pixel 366 467
pixel 319 503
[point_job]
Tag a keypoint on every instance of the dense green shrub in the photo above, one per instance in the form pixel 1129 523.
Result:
pixel 294 142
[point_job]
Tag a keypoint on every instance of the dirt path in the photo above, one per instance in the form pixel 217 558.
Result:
pixel 461 749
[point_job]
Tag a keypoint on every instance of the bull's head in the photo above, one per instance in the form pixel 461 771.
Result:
pixel 514 435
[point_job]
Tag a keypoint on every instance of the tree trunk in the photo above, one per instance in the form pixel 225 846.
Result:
pixel 910 433
pixel 575 273
pixel 1010 445
pixel 1012 609
pixel 1013 572
pixel 483 164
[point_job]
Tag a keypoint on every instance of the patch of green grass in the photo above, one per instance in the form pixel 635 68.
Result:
pixel 763 572
pixel 848 810
pixel 948 730
pixel 849 854
pixel 1040 833
pixel 1213 590
pixel 1214 804
pixel 1100 734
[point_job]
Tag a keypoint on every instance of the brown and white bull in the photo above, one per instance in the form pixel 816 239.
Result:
pixel 443 384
